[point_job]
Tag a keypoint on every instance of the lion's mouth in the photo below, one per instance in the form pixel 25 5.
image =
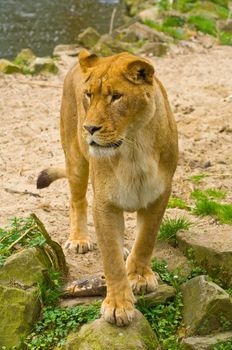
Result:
pixel 108 145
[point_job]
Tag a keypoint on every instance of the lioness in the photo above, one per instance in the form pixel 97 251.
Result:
pixel 117 125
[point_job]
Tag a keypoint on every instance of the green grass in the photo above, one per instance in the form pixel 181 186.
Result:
pixel 197 178
pixel 173 21
pixel 170 227
pixel 14 232
pixel 56 323
pixel 203 24
pixel 225 38
pixel 22 64
pixel 221 212
pixel 223 346
pixel 175 32
pixel 175 202
pixel 209 193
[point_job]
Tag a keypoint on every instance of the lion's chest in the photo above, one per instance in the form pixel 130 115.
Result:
pixel 138 183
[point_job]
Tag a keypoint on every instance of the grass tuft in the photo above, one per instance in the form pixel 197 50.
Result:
pixel 222 212
pixel 170 227
pixel 175 202
pixel 203 24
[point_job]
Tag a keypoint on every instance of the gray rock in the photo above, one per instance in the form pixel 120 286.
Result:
pixel 207 307
pixel 151 14
pixel 89 37
pixel 210 249
pixel 143 32
pixel 163 294
pixel 25 268
pixel 43 65
pixel 207 342
pixel 69 50
pixel 154 49
pixel 19 309
pixel 100 335
pixel 226 26
pixel 8 67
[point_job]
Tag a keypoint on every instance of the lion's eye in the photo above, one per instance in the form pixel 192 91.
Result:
pixel 116 97
pixel 88 94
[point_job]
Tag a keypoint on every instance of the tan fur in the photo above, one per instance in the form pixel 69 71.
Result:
pixel 131 161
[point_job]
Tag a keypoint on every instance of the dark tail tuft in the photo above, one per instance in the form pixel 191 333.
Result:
pixel 43 180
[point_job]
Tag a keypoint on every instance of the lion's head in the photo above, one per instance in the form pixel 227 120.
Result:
pixel 118 98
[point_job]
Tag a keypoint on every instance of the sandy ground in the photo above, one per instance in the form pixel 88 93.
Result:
pixel 199 86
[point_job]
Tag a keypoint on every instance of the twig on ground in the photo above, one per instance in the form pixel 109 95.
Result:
pixel 21 237
pixel 9 190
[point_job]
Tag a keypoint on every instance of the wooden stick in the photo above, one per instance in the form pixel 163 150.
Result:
pixel 112 20
pixel 21 237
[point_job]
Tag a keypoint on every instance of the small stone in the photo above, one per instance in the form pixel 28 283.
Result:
pixel 154 49
pixel 25 56
pixel 69 50
pixel 89 37
pixel 226 26
pixel 210 249
pixel 44 65
pixel 19 309
pixel 151 14
pixel 206 342
pixel 101 335
pixel 8 67
pixel 163 294
pixel 207 307
pixel 144 32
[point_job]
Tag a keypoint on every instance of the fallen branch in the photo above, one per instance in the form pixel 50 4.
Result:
pixel 9 190
pixel 21 237
pixel 52 244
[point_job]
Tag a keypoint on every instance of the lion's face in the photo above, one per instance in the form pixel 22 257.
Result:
pixel 118 100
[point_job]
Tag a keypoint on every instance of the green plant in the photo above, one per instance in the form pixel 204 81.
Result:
pixel 170 227
pixel 174 21
pixel 175 32
pixel 184 5
pixel 49 289
pixel 197 178
pixel 222 212
pixel 56 323
pixel 225 38
pixel 223 346
pixel 203 24
pixel 209 193
pixel 177 203
pixel 25 68
pixel 165 320
pixel 22 232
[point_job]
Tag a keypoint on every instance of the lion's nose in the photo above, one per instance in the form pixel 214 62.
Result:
pixel 92 128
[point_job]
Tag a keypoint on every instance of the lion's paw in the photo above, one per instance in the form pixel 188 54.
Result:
pixel 81 246
pixel 145 283
pixel 117 312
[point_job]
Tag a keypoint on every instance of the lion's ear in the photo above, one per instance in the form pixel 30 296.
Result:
pixel 87 60
pixel 139 71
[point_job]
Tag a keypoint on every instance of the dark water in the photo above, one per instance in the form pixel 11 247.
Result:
pixel 43 24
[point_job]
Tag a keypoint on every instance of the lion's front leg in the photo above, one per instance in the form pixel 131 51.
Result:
pixel 138 265
pixel 117 308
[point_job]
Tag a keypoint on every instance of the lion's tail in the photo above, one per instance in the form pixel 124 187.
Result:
pixel 47 176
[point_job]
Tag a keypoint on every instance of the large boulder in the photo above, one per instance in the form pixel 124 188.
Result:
pixel 210 249
pixel 207 307
pixel 207 342
pixel 68 49
pixel 19 309
pixel 8 67
pixel 100 335
pixel 25 268
pixel 89 37
pixel 25 56
pixel 44 65
pixel 142 32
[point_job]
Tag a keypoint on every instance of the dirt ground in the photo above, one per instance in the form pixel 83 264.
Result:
pixel 199 86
